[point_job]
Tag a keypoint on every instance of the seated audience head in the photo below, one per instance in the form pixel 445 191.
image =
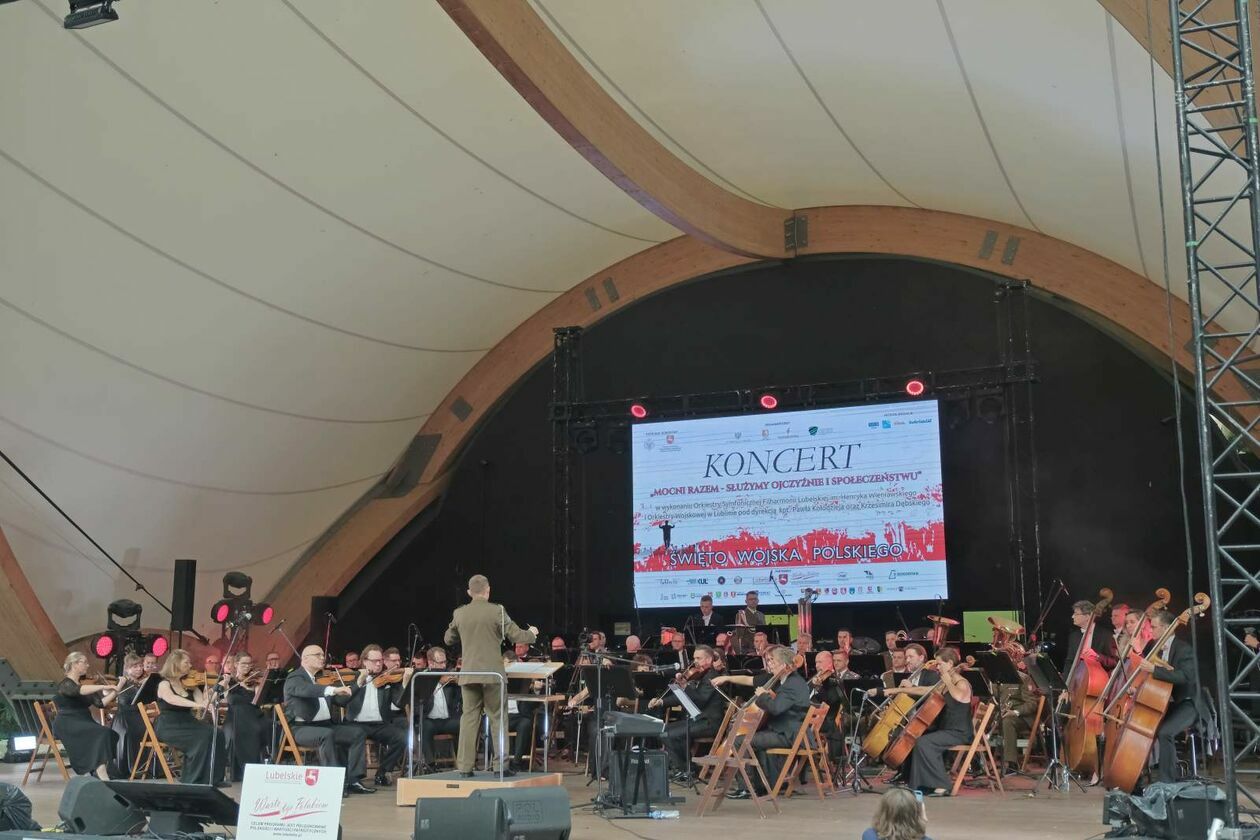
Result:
pixel 898 816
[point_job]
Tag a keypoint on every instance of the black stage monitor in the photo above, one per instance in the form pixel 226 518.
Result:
pixel 174 808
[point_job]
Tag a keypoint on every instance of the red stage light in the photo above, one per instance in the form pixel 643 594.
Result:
pixel 221 612
pixel 769 401
pixel 915 387
pixel 160 646
pixel 638 411
pixel 103 645
pixel 265 613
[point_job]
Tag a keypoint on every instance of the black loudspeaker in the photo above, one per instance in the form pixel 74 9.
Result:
pixel 1189 812
pixel 626 792
pixel 323 613
pixel 468 819
pixel 539 813
pixel 184 594
pixel 88 806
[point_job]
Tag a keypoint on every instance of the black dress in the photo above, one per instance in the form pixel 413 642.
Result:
pixel 129 728
pixel 88 744
pixel 244 729
pixel 177 727
pixel 953 727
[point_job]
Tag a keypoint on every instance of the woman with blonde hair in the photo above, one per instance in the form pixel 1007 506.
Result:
pixel 89 746
pixel 899 816
pixel 177 727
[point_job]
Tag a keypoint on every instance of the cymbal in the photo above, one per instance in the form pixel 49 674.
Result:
pixel 940 619
pixel 921 634
pixel 1006 625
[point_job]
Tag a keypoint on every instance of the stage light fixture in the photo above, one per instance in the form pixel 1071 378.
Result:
pixel 915 387
pixel 104 645
pixel 221 611
pixel 638 411
pixel 769 402
pixel 157 645
pixel 263 614
pixel 990 408
pixel 86 13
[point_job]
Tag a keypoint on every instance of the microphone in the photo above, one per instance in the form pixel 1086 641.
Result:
pixel 276 629
pixel 673 666
pixel 332 619
pixel 1064 588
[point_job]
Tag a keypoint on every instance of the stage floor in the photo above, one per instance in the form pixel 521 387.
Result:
pixel 975 814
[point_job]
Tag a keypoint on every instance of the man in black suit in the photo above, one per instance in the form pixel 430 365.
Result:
pixel 1182 713
pixel 1102 641
pixel 442 708
pixel 308 707
pixel 372 710
pixel 712 708
pixel 675 653
pixel 707 617
pixel 785 712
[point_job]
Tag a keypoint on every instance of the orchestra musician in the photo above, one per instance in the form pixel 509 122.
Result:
pixel 844 640
pixel 89 746
pixel 827 688
pixel 419 660
pixel 212 663
pixel 1101 645
pixel 176 726
pixel 520 717
pixel 741 641
pixel 897 668
pixel 840 663
pixel 521 649
pixel 1119 612
pixel 393 658
pixel 785 709
pixel 634 646
pixel 761 643
pixel 353 662
pixel 481 627
pixel 309 706
pixel 953 726
pixel 151 664
pixel 1018 703
pixel 804 643
pixel 891 640
pixel 442 708
pixel 127 722
pixel 697 684
pixel 243 725
pixel 1182 713
pixel 707 617
pixel 675 653
pixel 371 708
pixel 273 661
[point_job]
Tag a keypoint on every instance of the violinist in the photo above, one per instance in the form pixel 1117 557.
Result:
pixel 1180 670
pixel 442 708
pixel 273 661
pixel 393 658
pixel 785 709
pixel 89 746
pixel 353 661
pixel 1100 646
pixel 243 723
pixel 370 708
pixel 826 687
pixel 308 705
pixel 176 726
pixel 127 722
pixel 697 683
pixel 953 727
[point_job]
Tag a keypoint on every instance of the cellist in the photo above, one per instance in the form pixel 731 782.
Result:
pixel 953 727
pixel 1181 671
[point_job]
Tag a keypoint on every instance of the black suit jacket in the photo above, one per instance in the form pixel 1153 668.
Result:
pixel 1103 642
pixel 669 656
pixel 454 701
pixel 387 696
pixel 1182 674
pixel 705 696
pixel 301 697
pixel 786 710
pixel 715 620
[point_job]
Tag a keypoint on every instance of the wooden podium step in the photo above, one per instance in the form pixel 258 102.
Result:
pixel 452 785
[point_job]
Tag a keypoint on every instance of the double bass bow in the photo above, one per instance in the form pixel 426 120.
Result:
pixel 1149 704
pixel 1086 680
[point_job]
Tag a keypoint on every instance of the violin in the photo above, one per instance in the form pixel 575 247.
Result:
pixel 695 672
pixel 821 677
pixel 336 677
pixel 198 679
pixel 391 677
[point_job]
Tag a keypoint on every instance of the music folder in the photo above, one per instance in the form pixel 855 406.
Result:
pixel 693 711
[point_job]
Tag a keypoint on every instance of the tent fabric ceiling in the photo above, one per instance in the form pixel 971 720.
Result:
pixel 249 246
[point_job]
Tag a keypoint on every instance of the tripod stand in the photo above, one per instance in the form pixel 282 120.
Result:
pixel 851 773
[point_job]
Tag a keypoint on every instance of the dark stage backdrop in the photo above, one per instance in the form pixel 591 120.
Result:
pixel 1108 479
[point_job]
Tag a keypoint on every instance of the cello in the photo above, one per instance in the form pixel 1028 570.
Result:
pixel 892 716
pixel 1149 704
pixel 1113 697
pixel 925 714
pixel 1086 681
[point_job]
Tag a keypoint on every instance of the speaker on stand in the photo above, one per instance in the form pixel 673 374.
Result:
pixel 183 598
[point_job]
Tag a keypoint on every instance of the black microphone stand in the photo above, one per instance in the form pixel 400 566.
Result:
pixel 782 598
pixel 214 693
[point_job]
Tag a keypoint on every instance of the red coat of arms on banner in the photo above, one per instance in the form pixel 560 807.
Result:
pixel 783 578
pixel 669 438
pixel 312 776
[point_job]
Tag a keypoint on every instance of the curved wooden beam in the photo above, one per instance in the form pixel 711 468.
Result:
pixel 1095 284
pixel 523 48
pixel 31 642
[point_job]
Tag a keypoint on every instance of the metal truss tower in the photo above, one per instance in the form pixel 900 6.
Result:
pixel 1220 184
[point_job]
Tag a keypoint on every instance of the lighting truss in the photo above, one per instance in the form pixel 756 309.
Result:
pixel 1216 134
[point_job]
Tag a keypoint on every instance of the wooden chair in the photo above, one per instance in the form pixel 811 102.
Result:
pixel 289 744
pixel 808 750
pixel 46 713
pixel 1034 733
pixel 732 758
pixel 964 753
pixel 150 746
pixel 697 744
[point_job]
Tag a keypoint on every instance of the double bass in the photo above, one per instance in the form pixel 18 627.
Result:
pixel 1117 702
pixel 1149 704
pixel 1086 681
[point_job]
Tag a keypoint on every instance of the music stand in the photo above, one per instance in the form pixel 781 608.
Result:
pixel 422 686
pixel 866 663
pixel 859 686
pixel 1048 680
pixel 693 712
pixel 979 685
pixel 998 668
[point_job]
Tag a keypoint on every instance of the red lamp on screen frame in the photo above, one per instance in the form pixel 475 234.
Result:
pixel 915 387
pixel 768 401
pixel 638 411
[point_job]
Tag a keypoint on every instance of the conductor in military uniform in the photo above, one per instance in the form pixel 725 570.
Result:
pixel 481 628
